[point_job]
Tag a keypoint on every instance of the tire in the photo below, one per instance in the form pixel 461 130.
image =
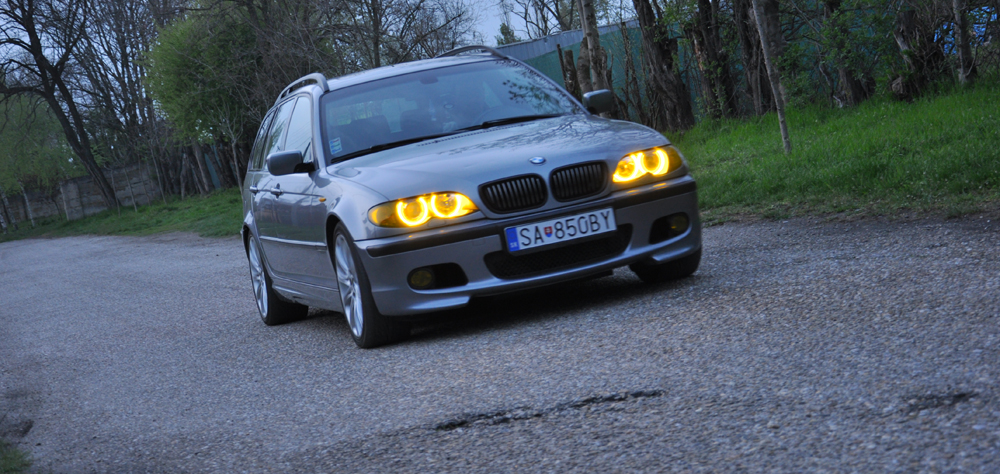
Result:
pixel 668 271
pixel 369 328
pixel 272 308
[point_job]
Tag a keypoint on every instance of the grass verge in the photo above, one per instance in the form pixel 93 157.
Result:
pixel 937 156
pixel 215 215
pixel 12 460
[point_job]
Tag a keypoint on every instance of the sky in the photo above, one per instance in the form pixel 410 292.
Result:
pixel 489 18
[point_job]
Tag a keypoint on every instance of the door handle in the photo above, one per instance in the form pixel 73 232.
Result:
pixel 276 190
pixel 254 189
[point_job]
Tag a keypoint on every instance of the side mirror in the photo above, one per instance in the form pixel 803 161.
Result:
pixel 599 102
pixel 287 162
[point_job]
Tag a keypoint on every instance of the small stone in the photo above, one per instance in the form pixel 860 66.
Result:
pixel 773 425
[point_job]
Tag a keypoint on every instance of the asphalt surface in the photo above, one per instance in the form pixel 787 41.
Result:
pixel 825 346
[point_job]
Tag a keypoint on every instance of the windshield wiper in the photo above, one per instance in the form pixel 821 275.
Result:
pixel 508 121
pixel 395 144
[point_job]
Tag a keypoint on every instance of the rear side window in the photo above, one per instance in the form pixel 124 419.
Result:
pixel 300 129
pixel 257 155
pixel 277 132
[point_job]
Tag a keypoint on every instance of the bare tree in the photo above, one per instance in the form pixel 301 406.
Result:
pixel 773 74
pixel 542 17
pixel 718 86
pixel 966 63
pixel 752 56
pixel 668 89
pixel 596 54
pixel 38 43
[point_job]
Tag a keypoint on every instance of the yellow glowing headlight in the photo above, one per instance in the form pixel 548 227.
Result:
pixel 657 162
pixel 415 211
pixel 629 168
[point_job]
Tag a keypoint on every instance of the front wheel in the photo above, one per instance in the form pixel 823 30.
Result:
pixel 369 328
pixel 273 310
pixel 668 271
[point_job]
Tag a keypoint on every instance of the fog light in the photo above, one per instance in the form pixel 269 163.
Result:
pixel 668 227
pixel 422 278
pixel 678 223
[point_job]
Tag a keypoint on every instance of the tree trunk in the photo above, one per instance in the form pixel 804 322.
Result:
pixel 226 177
pixel 583 69
pixel 633 94
pixel 204 180
pixel 775 78
pixel 115 187
pixel 236 166
pixel 568 72
pixel 769 28
pixel 27 205
pixel 6 209
pixel 758 87
pixel 184 173
pixel 966 63
pixel 851 88
pixel 3 223
pixel 142 181
pixel 916 45
pixel 598 58
pixel 659 53
pixel 131 194
pixel 717 83
pixel 376 18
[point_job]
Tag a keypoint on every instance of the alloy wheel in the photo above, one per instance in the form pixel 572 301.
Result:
pixel 258 277
pixel 349 284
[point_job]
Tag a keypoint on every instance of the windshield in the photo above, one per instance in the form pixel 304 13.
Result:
pixel 401 109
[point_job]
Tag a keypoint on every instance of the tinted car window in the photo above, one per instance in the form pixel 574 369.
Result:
pixel 300 128
pixel 433 102
pixel 256 155
pixel 277 131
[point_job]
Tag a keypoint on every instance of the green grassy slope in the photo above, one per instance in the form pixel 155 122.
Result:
pixel 215 215
pixel 939 155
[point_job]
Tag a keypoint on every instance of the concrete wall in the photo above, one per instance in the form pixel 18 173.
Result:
pixel 79 197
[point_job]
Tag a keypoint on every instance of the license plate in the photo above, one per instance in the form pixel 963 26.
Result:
pixel 578 226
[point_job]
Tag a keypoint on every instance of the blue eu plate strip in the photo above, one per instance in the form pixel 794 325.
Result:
pixel 512 243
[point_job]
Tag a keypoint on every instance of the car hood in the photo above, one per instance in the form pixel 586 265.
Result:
pixel 461 163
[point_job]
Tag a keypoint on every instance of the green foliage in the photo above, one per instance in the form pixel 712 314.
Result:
pixel 216 215
pixel 198 72
pixel 940 155
pixel 855 36
pixel 13 461
pixel 506 35
pixel 33 148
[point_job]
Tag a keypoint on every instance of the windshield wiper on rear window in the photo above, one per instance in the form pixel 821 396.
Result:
pixel 508 121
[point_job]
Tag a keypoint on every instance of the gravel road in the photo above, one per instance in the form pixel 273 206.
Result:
pixel 865 346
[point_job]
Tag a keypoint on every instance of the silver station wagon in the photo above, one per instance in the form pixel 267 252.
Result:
pixel 415 187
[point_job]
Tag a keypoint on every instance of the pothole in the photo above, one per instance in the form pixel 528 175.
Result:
pixel 932 400
pixel 527 413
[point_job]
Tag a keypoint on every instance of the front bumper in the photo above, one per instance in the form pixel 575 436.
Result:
pixel 389 261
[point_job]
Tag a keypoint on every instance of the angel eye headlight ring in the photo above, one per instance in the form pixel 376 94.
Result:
pixel 655 161
pixel 418 210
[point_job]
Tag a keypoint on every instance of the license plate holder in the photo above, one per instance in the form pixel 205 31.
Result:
pixel 522 238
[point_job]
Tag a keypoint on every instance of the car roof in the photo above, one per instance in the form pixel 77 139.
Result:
pixel 404 68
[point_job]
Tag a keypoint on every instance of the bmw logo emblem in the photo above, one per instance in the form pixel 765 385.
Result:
pixel 537 160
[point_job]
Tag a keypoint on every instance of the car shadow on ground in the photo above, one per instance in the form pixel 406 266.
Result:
pixel 508 310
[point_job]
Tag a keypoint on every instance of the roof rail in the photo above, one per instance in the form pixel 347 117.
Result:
pixel 457 51
pixel 316 77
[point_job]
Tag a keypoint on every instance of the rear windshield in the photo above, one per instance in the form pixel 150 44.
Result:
pixel 433 102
